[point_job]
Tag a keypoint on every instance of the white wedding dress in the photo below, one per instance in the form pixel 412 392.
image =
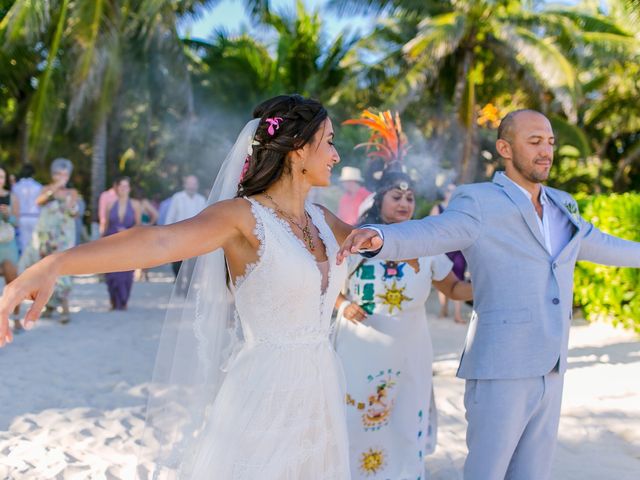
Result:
pixel 280 413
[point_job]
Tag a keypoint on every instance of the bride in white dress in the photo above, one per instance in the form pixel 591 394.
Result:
pixel 275 409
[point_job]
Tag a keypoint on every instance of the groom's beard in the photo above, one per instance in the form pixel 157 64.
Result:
pixel 531 174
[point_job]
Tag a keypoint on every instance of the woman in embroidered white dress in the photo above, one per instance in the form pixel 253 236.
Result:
pixel 278 412
pixel 383 340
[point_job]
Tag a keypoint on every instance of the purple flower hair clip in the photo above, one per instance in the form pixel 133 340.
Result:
pixel 274 124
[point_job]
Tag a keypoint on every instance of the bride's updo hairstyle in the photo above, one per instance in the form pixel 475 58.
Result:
pixel 298 119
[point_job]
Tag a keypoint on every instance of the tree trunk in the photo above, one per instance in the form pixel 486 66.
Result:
pixel 465 104
pixel 98 165
pixel 23 140
pixel 470 148
pixel 625 165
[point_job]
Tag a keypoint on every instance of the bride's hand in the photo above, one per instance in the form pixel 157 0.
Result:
pixel 362 239
pixel 37 284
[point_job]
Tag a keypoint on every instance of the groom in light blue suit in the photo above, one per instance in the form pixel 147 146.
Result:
pixel 521 241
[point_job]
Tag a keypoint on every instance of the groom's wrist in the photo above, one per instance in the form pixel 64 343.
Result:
pixel 372 253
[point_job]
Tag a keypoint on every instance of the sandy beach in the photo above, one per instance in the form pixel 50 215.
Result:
pixel 72 396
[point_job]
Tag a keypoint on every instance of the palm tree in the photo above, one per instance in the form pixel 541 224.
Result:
pixel 89 45
pixel 451 47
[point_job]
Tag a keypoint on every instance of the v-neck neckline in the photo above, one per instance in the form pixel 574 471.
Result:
pixel 126 208
pixel 287 228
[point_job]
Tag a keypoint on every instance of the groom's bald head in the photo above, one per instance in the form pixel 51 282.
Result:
pixel 509 124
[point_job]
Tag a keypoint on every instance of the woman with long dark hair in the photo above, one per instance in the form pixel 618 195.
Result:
pixel 270 404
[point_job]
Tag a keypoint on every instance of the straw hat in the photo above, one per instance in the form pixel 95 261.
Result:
pixel 351 174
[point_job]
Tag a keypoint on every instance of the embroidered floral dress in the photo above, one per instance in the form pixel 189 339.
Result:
pixel 54 232
pixel 388 364
pixel 280 413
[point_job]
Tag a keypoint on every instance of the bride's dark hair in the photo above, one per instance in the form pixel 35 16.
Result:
pixel 300 120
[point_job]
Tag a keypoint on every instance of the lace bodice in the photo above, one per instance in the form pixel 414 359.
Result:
pixel 280 298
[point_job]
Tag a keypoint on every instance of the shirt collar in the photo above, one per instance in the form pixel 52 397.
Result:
pixel 543 194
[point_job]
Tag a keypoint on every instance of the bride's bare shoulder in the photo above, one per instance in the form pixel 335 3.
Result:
pixel 236 211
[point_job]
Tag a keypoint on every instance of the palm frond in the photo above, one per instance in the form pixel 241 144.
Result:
pixel 45 100
pixel 612 46
pixel 543 57
pixel 571 134
pixel 25 21
pixel 588 22
pixel 377 7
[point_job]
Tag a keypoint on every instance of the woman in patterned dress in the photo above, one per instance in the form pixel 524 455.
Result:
pixel 384 342
pixel 55 231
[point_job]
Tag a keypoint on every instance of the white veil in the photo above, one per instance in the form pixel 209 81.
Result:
pixel 199 336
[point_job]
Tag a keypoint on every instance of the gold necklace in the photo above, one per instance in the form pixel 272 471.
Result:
pixel 306 231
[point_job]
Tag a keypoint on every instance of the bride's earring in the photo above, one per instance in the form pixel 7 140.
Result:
pixel 304 170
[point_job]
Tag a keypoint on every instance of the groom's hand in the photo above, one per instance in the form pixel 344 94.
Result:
pixel 360 240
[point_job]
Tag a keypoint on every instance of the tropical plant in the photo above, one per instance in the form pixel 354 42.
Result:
pixel 463 50
pixel 232 73
pixel 608 292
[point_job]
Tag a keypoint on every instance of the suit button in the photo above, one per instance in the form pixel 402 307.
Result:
pixel 555 301
pixel 554 266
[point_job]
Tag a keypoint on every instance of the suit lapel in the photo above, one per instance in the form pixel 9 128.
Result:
pixel 524 205
pixel 555 198
pixel 562 206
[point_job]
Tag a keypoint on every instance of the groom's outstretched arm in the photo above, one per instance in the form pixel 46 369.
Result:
pixel 455 229
pixel 605 249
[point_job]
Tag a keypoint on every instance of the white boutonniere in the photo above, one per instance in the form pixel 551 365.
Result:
pixel 572 208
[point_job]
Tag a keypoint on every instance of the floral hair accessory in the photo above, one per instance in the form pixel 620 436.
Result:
pixel 245 168
pixel 251 145
pixel 274 124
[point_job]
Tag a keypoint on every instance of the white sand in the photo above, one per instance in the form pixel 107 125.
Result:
pixel 72 396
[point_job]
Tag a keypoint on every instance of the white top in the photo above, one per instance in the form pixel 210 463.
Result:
pixel 555 226
pixel 184 206
pixel 27 190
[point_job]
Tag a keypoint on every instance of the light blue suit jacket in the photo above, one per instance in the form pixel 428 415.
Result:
pixel 522 295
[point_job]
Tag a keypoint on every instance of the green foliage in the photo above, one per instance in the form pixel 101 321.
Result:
pixel 608 292
pixel 172 106
pixel 423 207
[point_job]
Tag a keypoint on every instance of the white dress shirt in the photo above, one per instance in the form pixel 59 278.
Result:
pixel 184 206
pixel 555 225
pixel 27 191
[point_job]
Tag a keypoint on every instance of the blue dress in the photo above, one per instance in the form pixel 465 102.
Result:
pixel 120 283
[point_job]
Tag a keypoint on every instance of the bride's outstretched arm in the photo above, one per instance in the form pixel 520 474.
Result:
pixel 139 247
